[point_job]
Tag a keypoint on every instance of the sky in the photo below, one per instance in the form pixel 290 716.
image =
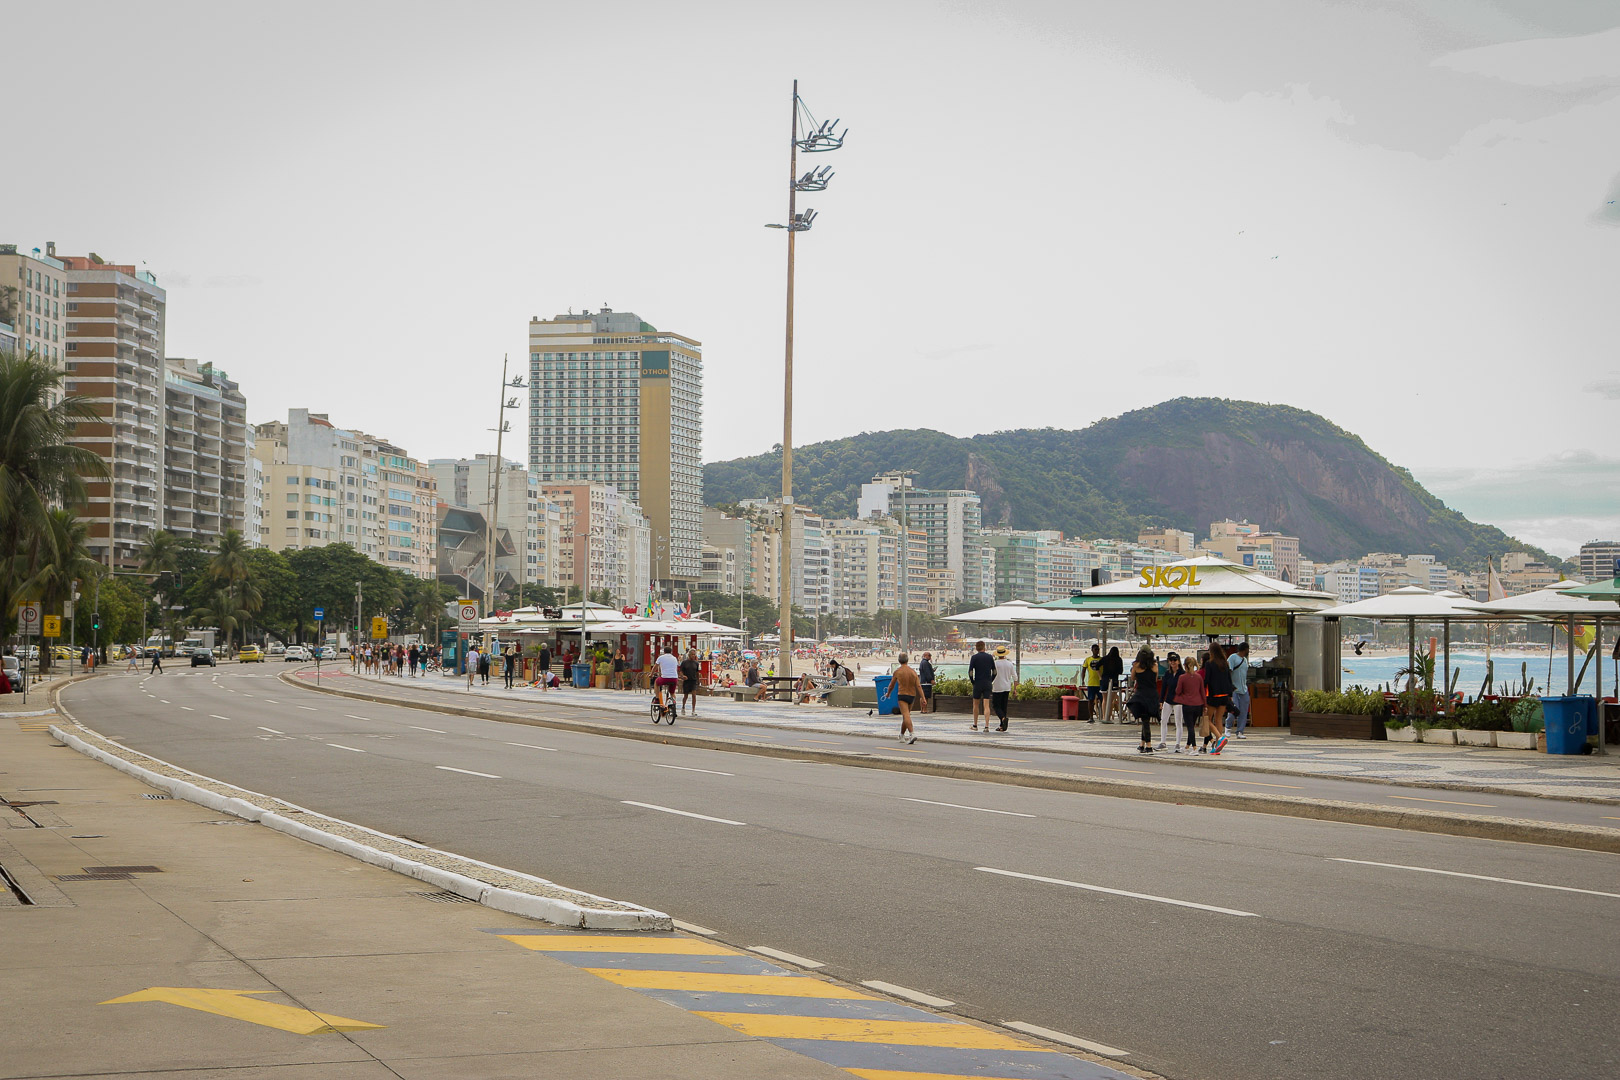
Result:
pixel 1401 215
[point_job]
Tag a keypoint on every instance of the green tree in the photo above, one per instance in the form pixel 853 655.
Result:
pixel 280 591
pixel 229 570
pixel 121 602
pixel 224 611
pixel 62 560
pixel 39 467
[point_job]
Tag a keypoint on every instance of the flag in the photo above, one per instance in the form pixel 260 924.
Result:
pixel 1493 584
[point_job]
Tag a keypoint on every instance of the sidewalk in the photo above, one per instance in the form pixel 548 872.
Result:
pixel 1272 750
pixel 148 936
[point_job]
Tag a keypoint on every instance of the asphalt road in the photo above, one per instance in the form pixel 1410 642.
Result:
pixel 1209 944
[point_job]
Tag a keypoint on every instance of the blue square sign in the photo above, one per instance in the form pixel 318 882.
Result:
pixel 320 613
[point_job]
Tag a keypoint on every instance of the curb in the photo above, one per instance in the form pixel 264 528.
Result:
pixel 1204 766
pixel 548 909
pixel 1554 834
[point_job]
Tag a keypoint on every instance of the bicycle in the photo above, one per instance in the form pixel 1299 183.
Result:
pixel 662 710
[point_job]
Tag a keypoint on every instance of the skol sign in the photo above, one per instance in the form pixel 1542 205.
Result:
pixel 1170 577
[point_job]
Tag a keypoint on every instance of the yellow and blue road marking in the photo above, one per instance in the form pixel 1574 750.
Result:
pixel 869 1037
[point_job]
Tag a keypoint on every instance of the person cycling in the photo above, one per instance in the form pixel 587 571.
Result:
pixel 668 674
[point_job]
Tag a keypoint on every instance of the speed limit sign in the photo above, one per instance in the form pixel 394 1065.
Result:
pixel 469 615
pixel 29 618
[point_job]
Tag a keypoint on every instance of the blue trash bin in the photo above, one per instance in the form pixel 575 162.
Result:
pixel 888 695
pixel 582 676
pixel 1569 721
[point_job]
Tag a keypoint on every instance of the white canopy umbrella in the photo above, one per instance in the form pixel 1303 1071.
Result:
pixel 1555 605
pixel 1412 605
pixel 1021 613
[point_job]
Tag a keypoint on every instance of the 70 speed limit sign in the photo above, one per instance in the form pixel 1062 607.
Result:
pixel 29 618
pixel 469 615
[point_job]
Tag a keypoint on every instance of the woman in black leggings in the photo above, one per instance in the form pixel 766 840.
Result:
pixel 1144 703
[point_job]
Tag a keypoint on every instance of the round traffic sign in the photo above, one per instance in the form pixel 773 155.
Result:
pixel 28 617
pixel 469 612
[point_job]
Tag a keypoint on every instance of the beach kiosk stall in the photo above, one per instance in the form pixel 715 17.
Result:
pixel 573 631
pixel 1209 598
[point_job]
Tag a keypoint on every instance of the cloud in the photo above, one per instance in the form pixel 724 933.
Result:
pixel 1589 60
pixel 955 350
pixel 1609 388
pixel 1558 502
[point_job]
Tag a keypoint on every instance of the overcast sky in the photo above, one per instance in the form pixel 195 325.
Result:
pixel 1400 215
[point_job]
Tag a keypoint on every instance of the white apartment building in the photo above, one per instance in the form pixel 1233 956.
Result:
pixel 615 401
pixel 952 521
pixel 31 301
pixel 605 541
pixel 207 487
pixel 865 575
pixel 1598 559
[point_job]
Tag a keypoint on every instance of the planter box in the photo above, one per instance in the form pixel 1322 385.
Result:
pixel 1337 725
pixel 1016 710
pixel 1401 734
pixel 1467 737
pixel 1516 740
pixel 1440 736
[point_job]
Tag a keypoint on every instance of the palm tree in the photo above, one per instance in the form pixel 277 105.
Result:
pixel 224 611
pixel 159 556
pixel 230 568
pixel 61 562
pixel 39 466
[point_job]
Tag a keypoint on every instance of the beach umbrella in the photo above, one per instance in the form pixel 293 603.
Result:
pixel 1021 613
pixel 1412 605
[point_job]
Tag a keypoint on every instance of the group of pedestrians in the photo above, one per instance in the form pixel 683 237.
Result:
pixel 992 681
pixel 395 659
pixel 1207 699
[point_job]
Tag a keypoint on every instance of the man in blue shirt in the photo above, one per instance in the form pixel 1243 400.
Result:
pixel 1239 663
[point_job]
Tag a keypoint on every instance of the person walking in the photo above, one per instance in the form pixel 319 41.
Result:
pixel 483 668
pixel 1144 700
pixel 1217 699
pixel 982 675
pixel 1001 687
pixel 1170 724
pixel 508 667
pixel 472 665
pixel 907 692
pixel 545 665
pixel 157 662
pixel 134 659
pixel 690 672
pixel 1093 668
pixel 1190 697
pixel 925 675
pixel 1239 663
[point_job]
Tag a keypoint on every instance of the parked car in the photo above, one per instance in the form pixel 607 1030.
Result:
pixel 202 658
pixel 250 654
pixel 326 652
pixel 295 652
pixel 13 669
pixel 276 648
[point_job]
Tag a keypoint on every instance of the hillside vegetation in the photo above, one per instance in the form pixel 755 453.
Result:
pixel 1183 464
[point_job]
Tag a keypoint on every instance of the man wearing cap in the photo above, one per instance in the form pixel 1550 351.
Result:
pixel 1001 688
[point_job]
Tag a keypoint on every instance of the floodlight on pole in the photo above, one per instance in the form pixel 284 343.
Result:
pixel 812 137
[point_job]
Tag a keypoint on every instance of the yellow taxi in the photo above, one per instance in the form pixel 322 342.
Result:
pixel 250 654
pixel 62 652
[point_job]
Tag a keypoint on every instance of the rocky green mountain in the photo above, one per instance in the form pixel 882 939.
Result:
pixel 1182 463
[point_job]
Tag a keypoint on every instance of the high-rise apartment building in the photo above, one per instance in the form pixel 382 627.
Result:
pixel 32 304
pixel 865 568
pixel 615 401
pixel 951 519
pixel 1599 559
pixel 113 342
pixel 353 489
pixel 605 541
pixel 207 486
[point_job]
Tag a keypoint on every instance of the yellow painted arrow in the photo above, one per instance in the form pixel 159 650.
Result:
pixel 238 1006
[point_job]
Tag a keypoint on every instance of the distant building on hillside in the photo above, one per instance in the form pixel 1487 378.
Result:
pixel 1600 559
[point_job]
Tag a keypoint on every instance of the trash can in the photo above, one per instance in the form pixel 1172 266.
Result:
pixel 1071 707
pixel 886 701
pixel 1568 720
pixel 582 675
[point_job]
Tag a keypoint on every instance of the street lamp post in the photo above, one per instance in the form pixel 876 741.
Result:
pixel 905 561
pixel 492 505
pixel 815 138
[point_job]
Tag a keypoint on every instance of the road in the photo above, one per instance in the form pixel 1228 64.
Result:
pixel 1209 944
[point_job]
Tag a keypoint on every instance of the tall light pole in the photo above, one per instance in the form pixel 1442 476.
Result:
pixel 492 504
pixel 816 138
pixel 905 476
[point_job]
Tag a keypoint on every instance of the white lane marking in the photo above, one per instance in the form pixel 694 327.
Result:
pixel 1480 877
pixel 306 708
pixel 469 772
pixel 959 806
pixel 272 701
pixel 1069 1040
pixel 164 700
pixel 694 928
pixel 246 694
pixel 340 746
pixel 1119 892
pixel 778 954
pixel 351 716
pixel 272 731
pixel 216 716
pixel 531 746
pixel 909 994
pixel 685 768
pixel 683 813
pixel 435 730
pixel 188 708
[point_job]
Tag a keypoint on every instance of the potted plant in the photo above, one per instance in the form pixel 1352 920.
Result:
pixel 1528 725
pixel 1331 714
